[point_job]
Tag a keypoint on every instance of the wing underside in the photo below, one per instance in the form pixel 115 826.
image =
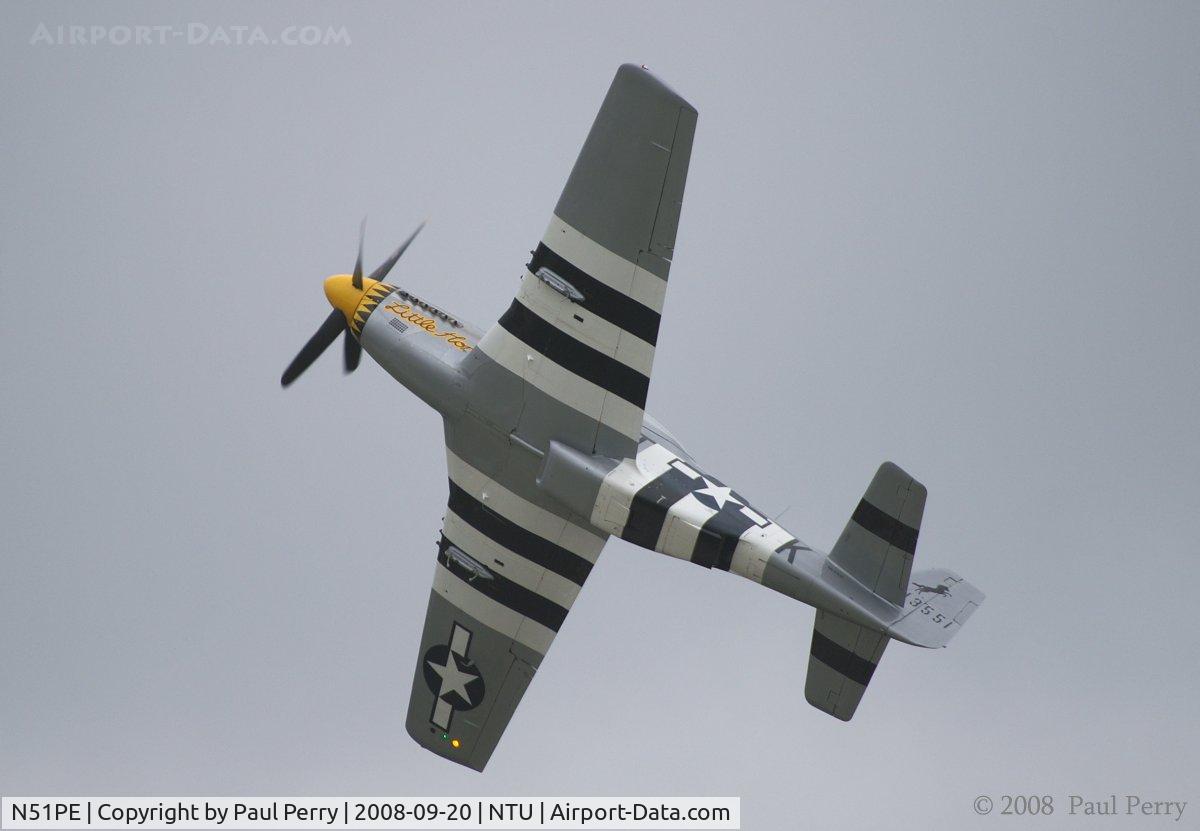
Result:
pixel 568 362
pixel 507 573
pixel 577 343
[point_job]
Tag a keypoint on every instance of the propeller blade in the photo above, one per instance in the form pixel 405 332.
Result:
pixel 351 352
pixel 357 277
pixel 382 271
pixel 318 343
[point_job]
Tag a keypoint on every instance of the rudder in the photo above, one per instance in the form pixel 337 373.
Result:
pixel 939 603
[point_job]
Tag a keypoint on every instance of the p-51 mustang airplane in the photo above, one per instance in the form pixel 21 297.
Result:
pixel 551 451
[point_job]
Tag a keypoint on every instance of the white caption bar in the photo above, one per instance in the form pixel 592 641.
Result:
pixel 367 813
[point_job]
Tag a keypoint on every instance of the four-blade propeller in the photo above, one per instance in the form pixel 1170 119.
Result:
pixel 336 324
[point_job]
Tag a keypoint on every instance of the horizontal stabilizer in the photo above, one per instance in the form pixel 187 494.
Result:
pixel 844 657
pixel 938 603
pixel 879 541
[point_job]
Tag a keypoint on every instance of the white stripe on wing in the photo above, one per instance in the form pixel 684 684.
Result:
pixel 603 265
pixel 492 613
pixel 578 393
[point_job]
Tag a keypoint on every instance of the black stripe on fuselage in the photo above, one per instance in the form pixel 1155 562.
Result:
pixel 648 511
pixel 707 549
pixel 516 539
pixel 512 595
pixel 886 527
pixel 600 299
pixel 588 363
pixel 728 525
pixel 840 659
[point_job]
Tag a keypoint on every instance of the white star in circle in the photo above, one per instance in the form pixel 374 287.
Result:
pixel 717 493
pixel 453 679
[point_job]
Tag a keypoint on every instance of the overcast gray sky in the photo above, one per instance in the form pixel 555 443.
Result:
pixel 959 236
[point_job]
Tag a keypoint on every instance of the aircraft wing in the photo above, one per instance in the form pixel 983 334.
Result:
pixel 569 361
pixel 507 573
pixel 580 335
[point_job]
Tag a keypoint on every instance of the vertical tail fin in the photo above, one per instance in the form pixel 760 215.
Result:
pixel 939 603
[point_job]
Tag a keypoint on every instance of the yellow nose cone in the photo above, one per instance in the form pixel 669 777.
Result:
pixel 343 296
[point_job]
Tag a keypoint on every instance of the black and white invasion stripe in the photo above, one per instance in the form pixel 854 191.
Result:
pixel 523 565
pixel 594 353
pixel 615 306
pixel 556 343
pixel 677 510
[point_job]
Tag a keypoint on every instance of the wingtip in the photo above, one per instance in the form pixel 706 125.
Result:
pixel 640 74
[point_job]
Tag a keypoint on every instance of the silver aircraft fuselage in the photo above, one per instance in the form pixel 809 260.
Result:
pixel 428 350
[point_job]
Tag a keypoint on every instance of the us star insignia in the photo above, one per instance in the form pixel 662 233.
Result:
pixel 715 496
pixel 452 677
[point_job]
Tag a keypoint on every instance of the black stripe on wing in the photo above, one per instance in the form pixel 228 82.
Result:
pixel 590 364
pixel 516 539
pixel 599 298
pixel 514 596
